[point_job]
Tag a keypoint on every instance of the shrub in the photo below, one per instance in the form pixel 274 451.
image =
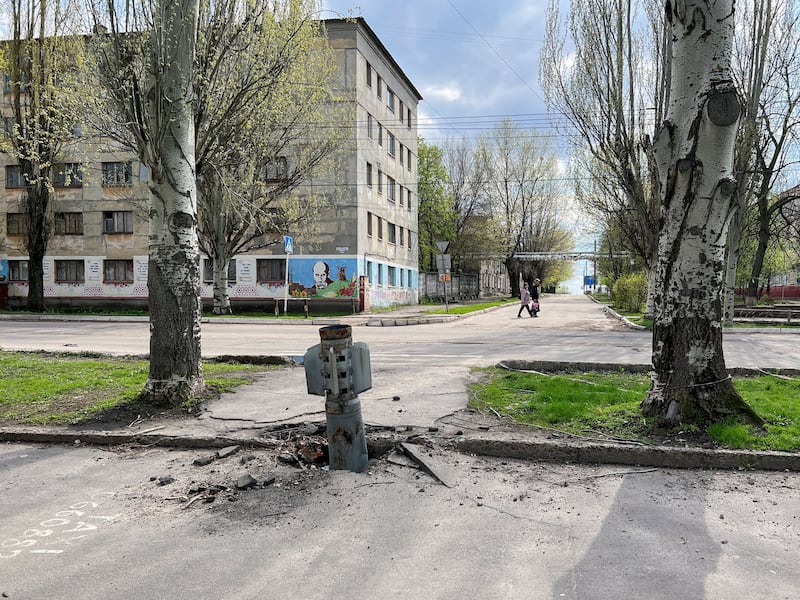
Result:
pixel 630 292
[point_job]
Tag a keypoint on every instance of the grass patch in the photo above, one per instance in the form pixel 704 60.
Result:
pixel 463 309
pixel 61 389
pixel 607 404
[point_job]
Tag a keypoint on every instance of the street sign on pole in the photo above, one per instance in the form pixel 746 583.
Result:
pixel 288 248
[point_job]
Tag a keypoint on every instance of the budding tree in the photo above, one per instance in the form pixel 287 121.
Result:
pixel 694 152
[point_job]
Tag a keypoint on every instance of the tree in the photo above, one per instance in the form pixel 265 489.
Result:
pixel 603 69
pixel 262 116
pixel 694 152
pixel 146 66
pixel 467 177
pixel 521 197
pixel 768 74
pixel 436 217
pixel 42 62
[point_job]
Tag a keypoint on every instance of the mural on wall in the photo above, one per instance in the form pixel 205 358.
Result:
pixel 323 277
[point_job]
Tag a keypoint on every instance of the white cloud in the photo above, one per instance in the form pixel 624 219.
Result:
pixel 446 93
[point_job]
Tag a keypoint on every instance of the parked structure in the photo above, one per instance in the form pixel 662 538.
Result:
pixel 364 253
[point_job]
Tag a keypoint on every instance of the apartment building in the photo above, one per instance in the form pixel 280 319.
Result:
pixel 363 254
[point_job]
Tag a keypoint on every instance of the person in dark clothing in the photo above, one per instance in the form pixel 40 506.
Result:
pixel 534 292
pixel 525 301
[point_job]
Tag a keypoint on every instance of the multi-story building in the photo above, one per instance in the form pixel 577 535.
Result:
pixel 364 252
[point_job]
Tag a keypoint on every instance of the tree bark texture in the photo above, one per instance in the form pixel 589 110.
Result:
pixel 174 255
pixel 694 151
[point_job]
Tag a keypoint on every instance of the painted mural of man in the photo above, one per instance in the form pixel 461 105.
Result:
pixel 322 275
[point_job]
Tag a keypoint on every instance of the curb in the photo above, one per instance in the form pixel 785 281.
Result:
pixel 500 446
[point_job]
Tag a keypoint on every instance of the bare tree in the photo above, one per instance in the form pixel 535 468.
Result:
pixel 266 100
pixel 521 198
pixel 146 63
pixel 603 69
pixel 42 65
pixel 767 71
pixel 694 151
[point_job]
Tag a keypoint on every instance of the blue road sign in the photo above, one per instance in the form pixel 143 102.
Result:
pixel 288 244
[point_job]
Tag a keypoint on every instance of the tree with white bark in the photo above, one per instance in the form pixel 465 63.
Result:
pixel 694 152
pixel 146 57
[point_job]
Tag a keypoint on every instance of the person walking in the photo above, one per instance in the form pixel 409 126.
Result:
pixel 525 301
pixel 534 292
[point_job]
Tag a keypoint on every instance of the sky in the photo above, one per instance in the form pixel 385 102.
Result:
pixel 474 63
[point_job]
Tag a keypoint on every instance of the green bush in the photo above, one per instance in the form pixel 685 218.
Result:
pixel 630 292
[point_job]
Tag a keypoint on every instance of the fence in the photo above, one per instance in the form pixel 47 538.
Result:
pixel 463 286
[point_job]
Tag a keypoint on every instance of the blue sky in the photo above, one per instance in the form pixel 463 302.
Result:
pixel 474 62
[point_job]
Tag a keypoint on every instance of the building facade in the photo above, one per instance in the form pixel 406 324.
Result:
pixel 363 254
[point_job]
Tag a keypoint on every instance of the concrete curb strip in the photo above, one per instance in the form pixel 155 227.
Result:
pixel 484 445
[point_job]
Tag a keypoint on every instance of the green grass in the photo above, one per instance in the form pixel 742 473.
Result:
pixel 607 404
pixel 463 309
pixel 58 389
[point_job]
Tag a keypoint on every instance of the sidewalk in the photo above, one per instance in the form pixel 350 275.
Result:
pixel 278 406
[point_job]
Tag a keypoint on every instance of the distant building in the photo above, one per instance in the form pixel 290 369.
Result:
pixel 364 254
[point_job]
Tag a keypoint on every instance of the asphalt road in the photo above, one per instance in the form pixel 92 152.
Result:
pixel 569 328
pixel 79 522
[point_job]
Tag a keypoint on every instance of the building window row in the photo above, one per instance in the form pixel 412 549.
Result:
pixel 395 234
pixel 71 223
pixel 393 147
pixel 70 175
pixel 268 270
pixel 393 103
pixel 394 190
pixel 388 275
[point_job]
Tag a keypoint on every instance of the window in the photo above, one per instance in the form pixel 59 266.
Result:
pixel 408 162
pixel 277 169
pixel 369 224
pixel 118 221
pixel 18 270
pixel 402 191
pixel 68 223
pixel 17 223
pixel 402 153
pixel 369 75
pixel 380 274
pixel 391 230
pixel 68 175
pixel 402 234
pixel 380 87
pixel 271 269
pixel 409 118
pixel 380 181
pixel 392 278
pixel 369 271
pixel 389 99
pixel 391 143
pixel 409 199
pixel 208 270
pixel 402 110
pixel 118 271
pixel 380 228
pixel 369 174
pixel 380 134
pixel 117 173
pixel 369 126
pixel 390 188
pixel 14 177
pixel 69 271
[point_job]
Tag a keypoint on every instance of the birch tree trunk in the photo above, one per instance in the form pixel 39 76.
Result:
pixel 694 152
pixel 174 256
